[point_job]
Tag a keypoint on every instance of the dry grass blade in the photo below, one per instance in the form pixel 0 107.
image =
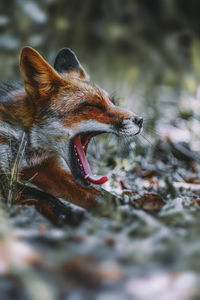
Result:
pixel 4 186
pixel 14 173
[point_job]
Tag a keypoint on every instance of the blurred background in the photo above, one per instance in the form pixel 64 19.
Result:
pixel 146 53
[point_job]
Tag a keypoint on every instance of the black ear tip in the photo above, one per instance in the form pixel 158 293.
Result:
pixel 66 60
pixel 65 52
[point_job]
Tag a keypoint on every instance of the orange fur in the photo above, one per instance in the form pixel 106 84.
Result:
pixel 68 98
pixel 49 177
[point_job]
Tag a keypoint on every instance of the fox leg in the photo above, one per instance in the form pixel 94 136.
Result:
pixel 56 211
pixel 51 178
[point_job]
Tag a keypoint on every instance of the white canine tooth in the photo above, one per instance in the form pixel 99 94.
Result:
pixel 86 176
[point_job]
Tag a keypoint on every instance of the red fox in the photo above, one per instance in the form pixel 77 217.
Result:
pixel 59 111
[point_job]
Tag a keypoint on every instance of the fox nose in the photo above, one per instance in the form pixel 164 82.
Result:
pixel 138 121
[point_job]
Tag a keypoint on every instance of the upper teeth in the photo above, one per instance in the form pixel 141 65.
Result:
pixel 79 161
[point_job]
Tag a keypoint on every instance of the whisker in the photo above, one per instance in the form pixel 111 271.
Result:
pixel 148 119
pixel 154 146
pixel 141 140
pixel 115 98
pixel 146 139
pixel 153 130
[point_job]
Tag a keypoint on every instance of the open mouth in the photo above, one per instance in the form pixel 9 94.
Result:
pixel 79 164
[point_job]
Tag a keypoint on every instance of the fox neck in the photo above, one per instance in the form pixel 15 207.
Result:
pixel 48 139
pixel 16 109
pixel 18 116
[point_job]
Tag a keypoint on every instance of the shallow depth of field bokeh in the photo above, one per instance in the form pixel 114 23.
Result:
pixel 145 242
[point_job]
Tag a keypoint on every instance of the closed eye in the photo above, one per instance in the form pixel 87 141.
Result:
pixel 94 105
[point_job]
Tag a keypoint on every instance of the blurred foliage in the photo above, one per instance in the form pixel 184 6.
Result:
pixel 131 32
pixel 147 49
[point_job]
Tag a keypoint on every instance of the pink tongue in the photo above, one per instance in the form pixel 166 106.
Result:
pixel 86 167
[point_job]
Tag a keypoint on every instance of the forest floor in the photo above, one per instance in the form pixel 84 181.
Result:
pixel 143 242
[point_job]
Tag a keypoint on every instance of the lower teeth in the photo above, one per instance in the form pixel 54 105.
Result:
pixel 79 162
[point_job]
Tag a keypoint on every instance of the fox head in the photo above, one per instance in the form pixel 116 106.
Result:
pixel 69 110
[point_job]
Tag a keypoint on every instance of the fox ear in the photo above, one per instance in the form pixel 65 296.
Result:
pixel 39 77
pixel 66 62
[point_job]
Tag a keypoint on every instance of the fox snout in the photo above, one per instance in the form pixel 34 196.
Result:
pixel 130 126
pixel 138 121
